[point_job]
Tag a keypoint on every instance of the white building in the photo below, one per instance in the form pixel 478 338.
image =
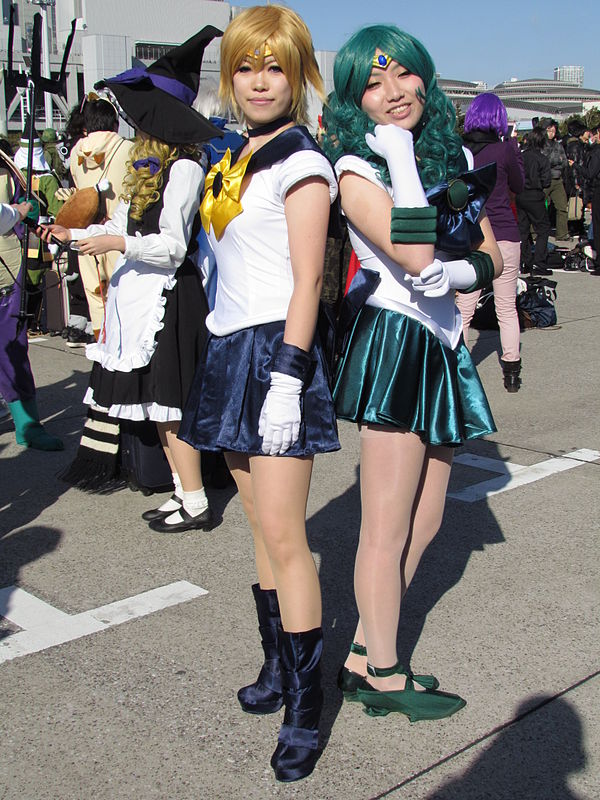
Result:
pixel 115 33
pixel 112 36
pixel 569 74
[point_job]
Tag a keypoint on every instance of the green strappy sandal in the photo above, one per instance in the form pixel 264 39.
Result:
pixel 416 705
pixel 349 681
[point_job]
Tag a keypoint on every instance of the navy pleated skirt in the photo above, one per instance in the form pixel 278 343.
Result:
pixel 230 387
pixel 395 371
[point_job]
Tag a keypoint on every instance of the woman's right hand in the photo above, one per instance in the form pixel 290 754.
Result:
pixel 390 141
pixel 396 146
pixel 64 234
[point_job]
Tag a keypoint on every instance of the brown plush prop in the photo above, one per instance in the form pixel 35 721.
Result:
pixel 80 209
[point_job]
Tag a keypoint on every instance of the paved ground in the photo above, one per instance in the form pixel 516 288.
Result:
pixel 504 611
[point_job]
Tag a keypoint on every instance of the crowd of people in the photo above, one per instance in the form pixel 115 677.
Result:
pixel 562 180
pixel 243 368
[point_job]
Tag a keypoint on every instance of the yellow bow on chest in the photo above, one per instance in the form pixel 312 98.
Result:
pixel 222 189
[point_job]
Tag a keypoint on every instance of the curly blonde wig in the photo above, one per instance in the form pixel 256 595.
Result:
pixel 141 189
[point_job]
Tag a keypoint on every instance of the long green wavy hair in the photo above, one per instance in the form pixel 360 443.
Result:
pixel 437 146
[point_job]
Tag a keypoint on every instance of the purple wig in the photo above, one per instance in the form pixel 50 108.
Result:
pixel 487 113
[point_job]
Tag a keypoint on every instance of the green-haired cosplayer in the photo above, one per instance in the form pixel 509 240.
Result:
pixel 405 375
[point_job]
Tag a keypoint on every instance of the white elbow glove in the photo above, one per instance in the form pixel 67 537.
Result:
pixel 279 421
pixel 396 146
pixel 441 277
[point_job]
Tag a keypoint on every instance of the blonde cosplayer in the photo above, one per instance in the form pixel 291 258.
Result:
pixel 277 31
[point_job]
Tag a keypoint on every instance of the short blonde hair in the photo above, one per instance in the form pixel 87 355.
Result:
pixel 290 43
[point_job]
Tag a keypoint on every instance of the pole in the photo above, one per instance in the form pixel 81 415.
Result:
pixel 31 95
pixel 46 65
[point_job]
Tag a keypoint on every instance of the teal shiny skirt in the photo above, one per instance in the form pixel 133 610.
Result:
pixel 395 371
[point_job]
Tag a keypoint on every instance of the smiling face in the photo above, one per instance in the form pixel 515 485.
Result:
pixel 262 92
pixel 392 96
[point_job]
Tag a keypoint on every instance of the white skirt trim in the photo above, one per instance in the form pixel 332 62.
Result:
pixel 138 411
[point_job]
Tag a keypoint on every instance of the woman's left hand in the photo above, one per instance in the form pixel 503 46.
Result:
pixel 433 281
pixel 441 277
pixel 98 245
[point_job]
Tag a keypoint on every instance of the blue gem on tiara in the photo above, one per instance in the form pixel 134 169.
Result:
pixel 382 60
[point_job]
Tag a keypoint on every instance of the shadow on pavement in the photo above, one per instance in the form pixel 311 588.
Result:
pixel 18 549
pixel 333 533
pixel 487 342
pixel 528 760
pixel 466 528
pixel 30 480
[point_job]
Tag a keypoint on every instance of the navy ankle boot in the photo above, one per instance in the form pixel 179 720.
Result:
pixel 297 749
pixel 264 695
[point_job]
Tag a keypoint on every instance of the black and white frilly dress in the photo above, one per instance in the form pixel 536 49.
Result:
pixel 154 330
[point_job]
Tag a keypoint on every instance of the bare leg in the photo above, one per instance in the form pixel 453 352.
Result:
pixel 280 492
pixel 161 427
pixel 239 466
pixel 184 461
pixel 428 509
pixel 274 492
pixel 171 504
pixel 182 457
pixel 353 661
pixel 391 465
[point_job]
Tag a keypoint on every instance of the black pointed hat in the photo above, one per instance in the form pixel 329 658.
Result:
pixel 157 99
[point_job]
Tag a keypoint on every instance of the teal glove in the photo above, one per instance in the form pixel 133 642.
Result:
pixel 34 214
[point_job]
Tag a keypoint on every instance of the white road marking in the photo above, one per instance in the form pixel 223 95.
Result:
pixel 45 626
pixel 510 476
pixel 28 611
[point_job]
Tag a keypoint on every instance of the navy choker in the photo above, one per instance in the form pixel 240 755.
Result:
pixel 269 127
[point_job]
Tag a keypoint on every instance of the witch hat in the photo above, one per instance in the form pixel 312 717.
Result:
pixel 157 99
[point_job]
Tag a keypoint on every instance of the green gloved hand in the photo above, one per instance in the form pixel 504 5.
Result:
pixel 34 214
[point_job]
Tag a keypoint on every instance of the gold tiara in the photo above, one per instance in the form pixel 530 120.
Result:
pixel 382 60
pixel 256 54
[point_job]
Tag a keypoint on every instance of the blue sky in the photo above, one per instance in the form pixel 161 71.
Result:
pixel 489 41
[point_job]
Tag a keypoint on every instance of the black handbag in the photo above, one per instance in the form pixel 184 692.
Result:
pixel 536 305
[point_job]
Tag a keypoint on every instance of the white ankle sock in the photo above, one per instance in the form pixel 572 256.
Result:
pixel 170 504
pixel 177 484
pixel 193 502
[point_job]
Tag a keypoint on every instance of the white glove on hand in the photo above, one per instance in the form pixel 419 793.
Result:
pixel 440 277
pixel 279 421
pixel 396 146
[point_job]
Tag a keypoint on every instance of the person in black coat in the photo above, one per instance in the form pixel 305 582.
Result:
pixel 591 173
pixel 531 207
pixel 576 184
